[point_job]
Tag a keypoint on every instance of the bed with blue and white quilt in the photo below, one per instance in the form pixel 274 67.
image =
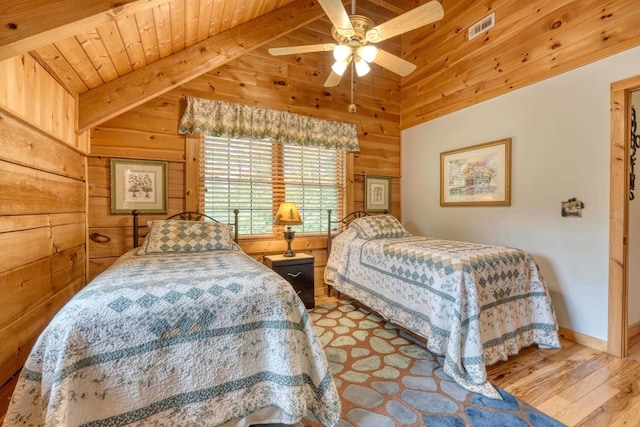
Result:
pixel 474 304
pixel 202 336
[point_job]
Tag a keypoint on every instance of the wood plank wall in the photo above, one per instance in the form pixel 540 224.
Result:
pixel 531 41
pixel 290 83
pixel 42 210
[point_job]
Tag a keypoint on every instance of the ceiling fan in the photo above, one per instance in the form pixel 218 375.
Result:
pixel 353 33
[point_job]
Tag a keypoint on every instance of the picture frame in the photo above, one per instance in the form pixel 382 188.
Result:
pixel 479 175
pixel 377 193
pixel 138 185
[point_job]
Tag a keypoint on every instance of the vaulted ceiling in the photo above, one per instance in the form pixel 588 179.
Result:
pixel 115 56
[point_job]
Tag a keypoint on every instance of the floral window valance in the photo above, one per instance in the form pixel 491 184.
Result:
pixel 230 120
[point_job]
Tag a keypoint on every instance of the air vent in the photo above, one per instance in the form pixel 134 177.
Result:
pixel 482 26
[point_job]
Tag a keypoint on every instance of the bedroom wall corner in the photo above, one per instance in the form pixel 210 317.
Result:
pixel 560 132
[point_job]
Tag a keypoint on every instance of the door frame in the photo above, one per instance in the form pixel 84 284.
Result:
pixel 617 340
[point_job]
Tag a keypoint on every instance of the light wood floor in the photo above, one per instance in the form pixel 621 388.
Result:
pixel 577 385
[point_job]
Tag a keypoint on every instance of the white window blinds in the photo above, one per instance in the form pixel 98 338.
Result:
pixel 256 176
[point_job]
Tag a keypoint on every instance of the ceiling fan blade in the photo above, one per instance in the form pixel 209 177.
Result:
pixel 394 63
pixel 418 17
pixel 333 80
pixel 288 50
pixel 338 16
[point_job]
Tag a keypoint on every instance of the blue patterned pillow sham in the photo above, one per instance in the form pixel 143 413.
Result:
pixel 379 226
pixel 175 236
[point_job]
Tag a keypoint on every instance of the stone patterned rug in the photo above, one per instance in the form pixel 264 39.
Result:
pixel 388 379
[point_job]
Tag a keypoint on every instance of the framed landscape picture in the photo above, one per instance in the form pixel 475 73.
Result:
pixel 479 175
pixel 377 193
pixel 139 185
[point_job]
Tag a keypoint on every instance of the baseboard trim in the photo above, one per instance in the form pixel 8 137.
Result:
pixel 634 330
pixel 586 340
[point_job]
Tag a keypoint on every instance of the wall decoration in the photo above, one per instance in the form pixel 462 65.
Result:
pixel 377 193
pixel 572 207
pixel 635 144
pixel 479 175
pixel 140 185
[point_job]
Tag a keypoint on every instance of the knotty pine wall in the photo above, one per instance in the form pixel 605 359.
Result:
pixel 532 41
pixel 42 209
pixel 290 83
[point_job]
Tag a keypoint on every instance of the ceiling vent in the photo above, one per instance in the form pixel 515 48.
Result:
pixel 482 26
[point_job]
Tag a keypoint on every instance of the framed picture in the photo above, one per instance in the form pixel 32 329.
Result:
pixel 377 193
pixel 479 175
pixel 140 185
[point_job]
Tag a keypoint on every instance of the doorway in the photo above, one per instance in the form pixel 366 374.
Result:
pixel 617 340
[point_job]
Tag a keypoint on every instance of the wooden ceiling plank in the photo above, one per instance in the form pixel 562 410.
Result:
pixel 148 37
pixel 216 17
pixel 131 38
pixel 97 54
pixel 55 63
pixel 113 44
pixel 131 90
pixel 177 25
pixel 191 9
pixel 240 13
pixel 26 25
pixel 204 21
pixel 162 18
pixel 227 15
pixel 73 52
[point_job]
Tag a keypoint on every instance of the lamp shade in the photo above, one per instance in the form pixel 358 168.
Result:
pixel 288 214
pixel 362 67
pixel 339 67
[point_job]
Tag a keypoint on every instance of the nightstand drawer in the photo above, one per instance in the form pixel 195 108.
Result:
pixel 298 271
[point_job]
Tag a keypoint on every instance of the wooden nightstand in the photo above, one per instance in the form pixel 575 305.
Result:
pixel 298 270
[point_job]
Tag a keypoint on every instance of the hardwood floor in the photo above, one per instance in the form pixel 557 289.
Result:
pixel 577 385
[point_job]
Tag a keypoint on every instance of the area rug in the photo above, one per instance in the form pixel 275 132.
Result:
pixel 386 378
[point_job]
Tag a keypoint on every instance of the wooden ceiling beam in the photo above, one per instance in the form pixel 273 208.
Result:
pixel 26 25
pixel 139 86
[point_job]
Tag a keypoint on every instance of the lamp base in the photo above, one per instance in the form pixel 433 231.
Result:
pixel 289 235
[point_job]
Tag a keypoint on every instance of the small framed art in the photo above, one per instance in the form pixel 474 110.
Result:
pixel 479 175
pixel 377 193
pixel 139 185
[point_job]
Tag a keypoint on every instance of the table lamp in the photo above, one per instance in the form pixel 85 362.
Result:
pixel 288 215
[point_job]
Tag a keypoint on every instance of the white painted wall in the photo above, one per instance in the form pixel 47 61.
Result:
pixel 634 234
pixel 560 131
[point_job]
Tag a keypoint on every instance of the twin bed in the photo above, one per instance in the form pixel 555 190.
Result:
pixel 189 330
pixel 186 330
pixel 474 304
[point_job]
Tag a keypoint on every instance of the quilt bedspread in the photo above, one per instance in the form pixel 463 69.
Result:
pixel 186 339
pixel 475 304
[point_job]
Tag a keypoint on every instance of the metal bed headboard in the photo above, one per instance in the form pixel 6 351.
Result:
pixel 185 216
pixel 342 224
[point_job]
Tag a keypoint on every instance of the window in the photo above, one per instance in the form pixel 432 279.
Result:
pixel 255 176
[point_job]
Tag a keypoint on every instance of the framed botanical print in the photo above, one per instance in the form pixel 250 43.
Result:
pixel 377 193
pixel 138 185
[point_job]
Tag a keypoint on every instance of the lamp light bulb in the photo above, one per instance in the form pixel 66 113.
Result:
pixel 368 53
pixel 340 67
pixel 362 68
pixel 341 52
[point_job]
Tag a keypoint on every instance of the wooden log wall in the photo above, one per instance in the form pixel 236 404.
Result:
pixel 42 210
pixel 289 83
pixel 531 41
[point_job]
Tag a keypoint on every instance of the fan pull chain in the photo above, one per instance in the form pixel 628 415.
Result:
pixel 352 107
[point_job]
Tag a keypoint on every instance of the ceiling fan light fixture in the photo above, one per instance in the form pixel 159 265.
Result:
pixel 339 67
pixel 368 53
pixel 362 68
pixel 341 52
